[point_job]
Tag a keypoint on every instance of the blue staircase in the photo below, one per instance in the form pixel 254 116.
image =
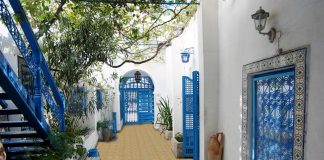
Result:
pixel 23 129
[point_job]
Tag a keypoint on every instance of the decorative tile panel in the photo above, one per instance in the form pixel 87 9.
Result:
pixel 297 59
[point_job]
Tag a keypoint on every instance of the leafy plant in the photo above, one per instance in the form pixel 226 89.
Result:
pixel 103 124
pixel 165 113
pixel 178 137
pixel 63 144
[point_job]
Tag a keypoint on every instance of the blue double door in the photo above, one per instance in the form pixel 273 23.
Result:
pixel 138 106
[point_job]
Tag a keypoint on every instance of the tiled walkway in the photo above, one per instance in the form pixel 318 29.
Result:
pixel 137 142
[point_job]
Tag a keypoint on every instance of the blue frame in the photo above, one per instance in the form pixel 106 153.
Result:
pixel 264 76
pixel 138 96
pixel 195 77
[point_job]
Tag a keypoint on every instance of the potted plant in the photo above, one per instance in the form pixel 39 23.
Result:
pixel 165 116
pixel 104 129
pixel 176 145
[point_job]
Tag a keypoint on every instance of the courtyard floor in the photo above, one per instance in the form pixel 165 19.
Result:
pixel 137 142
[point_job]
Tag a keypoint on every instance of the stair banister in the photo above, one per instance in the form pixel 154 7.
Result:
pixel 36 63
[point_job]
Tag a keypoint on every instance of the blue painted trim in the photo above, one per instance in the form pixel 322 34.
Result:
pixel 253 118
pixel 195 77
pixel 114 122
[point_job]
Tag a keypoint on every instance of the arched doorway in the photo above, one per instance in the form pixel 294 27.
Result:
pixel 136 99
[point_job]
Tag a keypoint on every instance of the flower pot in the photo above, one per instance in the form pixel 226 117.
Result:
pixel 176 148
pixel 106 134
pixel 168 134
pixel 161 128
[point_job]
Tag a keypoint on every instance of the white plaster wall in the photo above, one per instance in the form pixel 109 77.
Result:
pixel 209 66
pixel 301 22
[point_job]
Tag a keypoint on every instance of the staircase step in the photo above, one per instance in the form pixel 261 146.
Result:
pixel 20 157
pixel 9 111
pixel 14 124
pixel 20 143
pixel 17 134
pixel 23 150
pixel 3 104
pixel 4 96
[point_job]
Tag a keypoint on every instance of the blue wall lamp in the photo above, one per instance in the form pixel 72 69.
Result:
pixel 185 54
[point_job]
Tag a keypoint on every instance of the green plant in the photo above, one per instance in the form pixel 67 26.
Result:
pixel 103 124
pixel 178 137
pixel 165 113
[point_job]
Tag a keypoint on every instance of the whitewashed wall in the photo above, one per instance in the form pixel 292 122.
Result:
pixel 236 42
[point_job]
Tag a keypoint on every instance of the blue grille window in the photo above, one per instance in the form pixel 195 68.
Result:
pixel 273 116
pixel 78 100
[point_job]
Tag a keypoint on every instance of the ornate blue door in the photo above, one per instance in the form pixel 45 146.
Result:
pixel 273 115
pixel 137 100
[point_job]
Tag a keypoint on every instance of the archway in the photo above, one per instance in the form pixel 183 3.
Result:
pixel 136 98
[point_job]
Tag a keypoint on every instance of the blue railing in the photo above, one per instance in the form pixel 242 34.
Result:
pixel 36 63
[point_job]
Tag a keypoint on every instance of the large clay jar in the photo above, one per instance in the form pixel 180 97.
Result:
pixel 215 147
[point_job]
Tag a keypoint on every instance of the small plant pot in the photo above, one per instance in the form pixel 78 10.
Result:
pixel 176 148
pixel 167 134
pixel 106 134
pixel 161 128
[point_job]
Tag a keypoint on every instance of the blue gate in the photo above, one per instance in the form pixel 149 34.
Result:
pixel 137 100
pixel 190 95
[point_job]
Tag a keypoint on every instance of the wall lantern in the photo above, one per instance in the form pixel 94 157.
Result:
pixel 185 55
pixel 138 76
pixel 260 20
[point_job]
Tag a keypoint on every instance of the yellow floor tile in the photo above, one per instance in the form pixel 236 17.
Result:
pixel 137 142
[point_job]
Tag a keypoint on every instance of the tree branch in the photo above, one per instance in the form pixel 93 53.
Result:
pixel 52 20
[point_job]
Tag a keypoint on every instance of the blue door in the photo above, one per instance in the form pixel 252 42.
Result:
pixel 137 100
pixel 273 115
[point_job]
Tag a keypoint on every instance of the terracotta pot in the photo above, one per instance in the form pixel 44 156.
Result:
pixel 106 134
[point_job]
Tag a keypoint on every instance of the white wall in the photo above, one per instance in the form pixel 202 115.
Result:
pixel 301 22
pixel 209 66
